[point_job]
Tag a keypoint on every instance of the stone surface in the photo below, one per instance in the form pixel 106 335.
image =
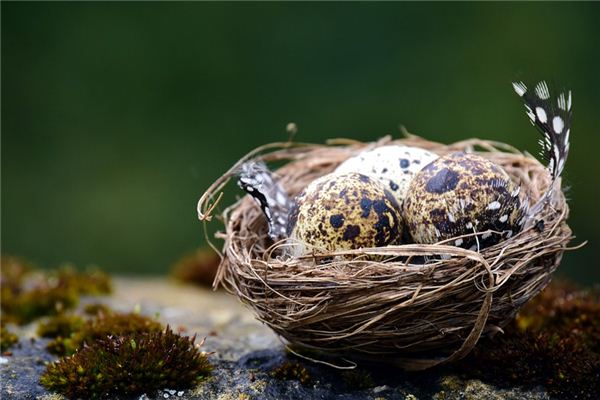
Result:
pixel 245 354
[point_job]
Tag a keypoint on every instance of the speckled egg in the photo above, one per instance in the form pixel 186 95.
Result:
pixel 342 212
pixel 393 165
pixel 459 194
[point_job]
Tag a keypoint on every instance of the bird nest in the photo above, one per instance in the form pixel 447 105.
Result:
pixel 414 305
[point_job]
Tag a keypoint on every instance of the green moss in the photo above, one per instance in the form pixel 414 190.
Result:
pixel 554 342
pixel 91 282
pixel 60 325
pixel 27 295
pixel 356 379
pixel 96 309
pixel 199 267
pixel 128 364
pixel 43 299
pixel 103 325
pixel 59 346
pixel 14 269
pixel 7 338
pixel 292 370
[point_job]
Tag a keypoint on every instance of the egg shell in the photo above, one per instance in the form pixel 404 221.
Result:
pixel 394 165
pixel 342 212
pixel 459 194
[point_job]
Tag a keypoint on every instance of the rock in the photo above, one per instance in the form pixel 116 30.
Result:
pixel 245 354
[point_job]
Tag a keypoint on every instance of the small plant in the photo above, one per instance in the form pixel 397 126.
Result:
pixel 292 370
pixel 7 338
pixel 103 325
pixel 96 309
pixel 27 294
pixel 90 282
pixel 60 325
pixel 14 270
pixel 128 364
pixel 43 299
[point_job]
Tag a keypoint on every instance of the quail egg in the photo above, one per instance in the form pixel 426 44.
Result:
pixel 342 212
pixel 459 194
pixel 393 165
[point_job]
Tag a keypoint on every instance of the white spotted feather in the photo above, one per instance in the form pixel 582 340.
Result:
pixel 258 181
pixel 552 117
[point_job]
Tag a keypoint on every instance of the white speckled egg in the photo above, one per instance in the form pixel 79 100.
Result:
pixel 342 212
pixel 394 165
pixel 459 194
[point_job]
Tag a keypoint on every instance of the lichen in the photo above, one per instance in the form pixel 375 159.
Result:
pixel 198 268
pixel 201 389
pixel 258 386
pixel 292 370
pixel 128 364
pixel 451 382
pixel 53 396
pixel 237 395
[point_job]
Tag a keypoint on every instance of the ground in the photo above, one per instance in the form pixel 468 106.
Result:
pixel 246 355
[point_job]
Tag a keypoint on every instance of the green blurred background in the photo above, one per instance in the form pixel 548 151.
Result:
pixel 117 116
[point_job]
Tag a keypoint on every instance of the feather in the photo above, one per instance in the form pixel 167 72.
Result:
pixel 552 117
pixel 258 181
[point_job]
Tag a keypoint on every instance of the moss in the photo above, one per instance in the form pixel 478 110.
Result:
pixel 14 270
pixel 90 282
pixel 567 311
pixel 7 338
pixel 101 326
pixel 292 370
pixel 357 379
pixel 60 325
pixel 554 342
pixel 59 346
pixel 96 309
pixel 199 267
pixel 128 364
pixel 26 295
pixel 43 299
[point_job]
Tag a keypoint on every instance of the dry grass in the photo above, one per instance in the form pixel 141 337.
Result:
pixel 419 305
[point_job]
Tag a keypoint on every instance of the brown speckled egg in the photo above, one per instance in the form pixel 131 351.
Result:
pixel 342 212
pixel 462 193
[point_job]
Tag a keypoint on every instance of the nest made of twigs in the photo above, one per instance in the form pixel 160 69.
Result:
pixel 422 305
